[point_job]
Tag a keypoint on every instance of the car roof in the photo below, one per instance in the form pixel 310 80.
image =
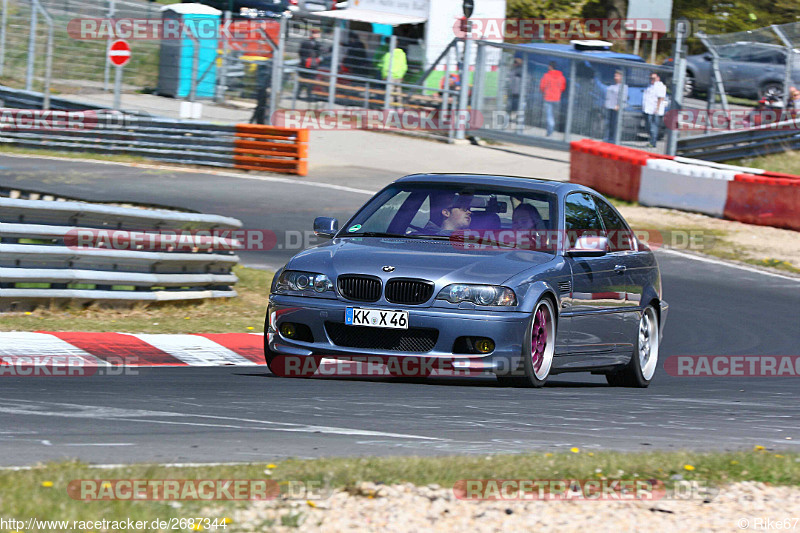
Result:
pixel 567 48
pixel 517 182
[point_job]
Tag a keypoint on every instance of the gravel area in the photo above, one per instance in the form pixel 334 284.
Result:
pixel 407 508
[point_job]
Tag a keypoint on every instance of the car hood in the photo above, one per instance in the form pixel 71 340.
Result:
pixel 439 261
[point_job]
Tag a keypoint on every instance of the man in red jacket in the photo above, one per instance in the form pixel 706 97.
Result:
pixel 552 85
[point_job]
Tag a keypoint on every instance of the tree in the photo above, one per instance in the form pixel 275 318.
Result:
pixel 544 9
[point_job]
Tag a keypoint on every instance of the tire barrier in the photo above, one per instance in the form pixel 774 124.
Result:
pixel 85 253
pixel 272 149
pixel 611 169
pixel 749 195
pixel 766 201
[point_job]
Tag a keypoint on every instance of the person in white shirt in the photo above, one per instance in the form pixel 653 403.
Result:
pixel 654 104
pixel 611 106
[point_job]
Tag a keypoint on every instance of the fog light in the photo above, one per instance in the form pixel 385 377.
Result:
pixel 484 345
pixel 288 330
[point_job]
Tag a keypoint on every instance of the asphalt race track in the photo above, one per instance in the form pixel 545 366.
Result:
pixel 246 414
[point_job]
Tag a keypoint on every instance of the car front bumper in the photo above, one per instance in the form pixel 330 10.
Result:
pixel 506 328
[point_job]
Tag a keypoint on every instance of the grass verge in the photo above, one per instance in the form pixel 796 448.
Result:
pixel 727 240
pixel 787 162
pixel 42 492
pixel 242 314
pixel 16 150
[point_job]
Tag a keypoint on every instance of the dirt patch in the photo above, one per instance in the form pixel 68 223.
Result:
pixel 401 508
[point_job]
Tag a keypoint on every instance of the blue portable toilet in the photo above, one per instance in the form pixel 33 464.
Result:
pixel 180 23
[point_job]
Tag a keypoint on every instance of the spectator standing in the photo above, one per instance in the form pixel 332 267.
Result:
pixel 454 83
pixel 515 85
pixel 355 57
pixel 611 106
pixel 398 72
pixel 399 65
pixel 654 104
pixel 311 50
pixel 552 86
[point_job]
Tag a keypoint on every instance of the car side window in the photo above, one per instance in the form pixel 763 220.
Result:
pixel 620 236
pixel 728 52
pixel 581 217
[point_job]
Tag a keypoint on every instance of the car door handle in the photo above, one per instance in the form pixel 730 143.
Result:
pixel 620 269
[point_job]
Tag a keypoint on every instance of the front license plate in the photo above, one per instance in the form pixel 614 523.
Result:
pixel 376 318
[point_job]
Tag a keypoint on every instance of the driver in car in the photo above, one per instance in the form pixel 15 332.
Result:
pixel 456 216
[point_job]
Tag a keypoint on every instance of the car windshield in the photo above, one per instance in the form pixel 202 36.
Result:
pixel 442 211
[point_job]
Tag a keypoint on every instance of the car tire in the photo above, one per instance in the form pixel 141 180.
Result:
pixel 640 370
pixel 771 88
pixel 689 85
pixel 538 348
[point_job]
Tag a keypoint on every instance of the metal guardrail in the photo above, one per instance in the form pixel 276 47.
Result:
pixel 761 140
pixel 20 99
pixel 241 146
pixel 42 257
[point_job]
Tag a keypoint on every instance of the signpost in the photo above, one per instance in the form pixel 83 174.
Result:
pixel 469 6
pixel 119 53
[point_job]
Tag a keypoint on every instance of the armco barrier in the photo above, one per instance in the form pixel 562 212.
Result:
pixel 243 146
pixel 17 98
pixel 41 258
pixel 611 169
pixel 764 201
pixel 748 195
pixel 687 187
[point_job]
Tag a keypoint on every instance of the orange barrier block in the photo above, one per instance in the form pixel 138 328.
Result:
pixel 609 168
pixel 765 201
pixel 271 149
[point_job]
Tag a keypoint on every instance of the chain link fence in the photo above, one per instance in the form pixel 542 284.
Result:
pixel 326 65
pixel 577 92
pixel 77 65
pixel 318 63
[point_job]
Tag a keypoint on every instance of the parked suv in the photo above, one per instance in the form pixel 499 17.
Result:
pixel 748 69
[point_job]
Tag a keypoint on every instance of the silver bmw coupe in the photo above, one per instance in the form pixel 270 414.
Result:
pixel 517 277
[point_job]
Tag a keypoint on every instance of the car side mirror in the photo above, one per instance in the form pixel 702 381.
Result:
pixel 589 246
pixel 707 57
pixel 325 227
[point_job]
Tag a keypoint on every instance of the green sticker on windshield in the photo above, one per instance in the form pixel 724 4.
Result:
pixel 355 228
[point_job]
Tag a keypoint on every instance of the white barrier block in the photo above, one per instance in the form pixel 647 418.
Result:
pixel 676 185
pixel 720 166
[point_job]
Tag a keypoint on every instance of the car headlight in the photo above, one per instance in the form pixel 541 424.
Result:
pixel 478 294
pixel 309 282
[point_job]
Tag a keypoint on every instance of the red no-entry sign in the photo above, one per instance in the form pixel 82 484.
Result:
pixel 119 53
